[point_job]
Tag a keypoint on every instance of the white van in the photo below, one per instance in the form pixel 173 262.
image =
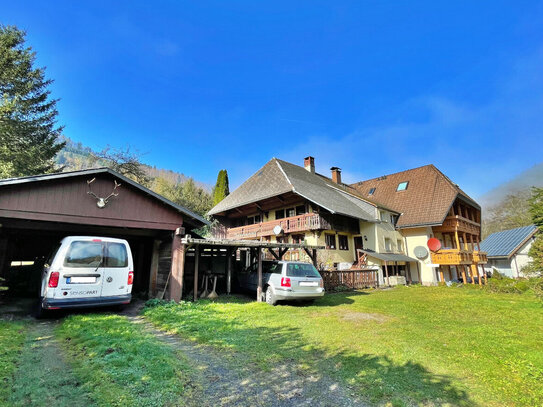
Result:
pixel 86 271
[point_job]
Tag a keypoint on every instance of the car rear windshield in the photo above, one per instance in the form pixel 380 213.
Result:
pixel 94 254
pixel 302 270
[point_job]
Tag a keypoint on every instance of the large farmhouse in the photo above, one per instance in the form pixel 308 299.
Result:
pixel 389 219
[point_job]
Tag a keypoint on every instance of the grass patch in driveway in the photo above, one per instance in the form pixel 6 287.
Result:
pixel 12 337
pixel 432 346
pixel 120 364
pixel 43 378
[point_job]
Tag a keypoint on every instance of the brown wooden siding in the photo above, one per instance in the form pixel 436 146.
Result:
pixel 66 200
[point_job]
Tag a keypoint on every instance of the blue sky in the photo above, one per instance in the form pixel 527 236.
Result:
pixel 373 87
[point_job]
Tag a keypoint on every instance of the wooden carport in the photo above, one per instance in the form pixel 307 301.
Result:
pixel 183 245
pixel 36 212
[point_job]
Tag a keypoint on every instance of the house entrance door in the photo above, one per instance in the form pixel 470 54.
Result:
pixel 358 243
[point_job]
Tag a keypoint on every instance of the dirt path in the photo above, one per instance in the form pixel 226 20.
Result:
pixel 225 380
pixel 43 378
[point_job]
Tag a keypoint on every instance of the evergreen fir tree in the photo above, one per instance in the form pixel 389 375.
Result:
pixel 536 210
pixel 28 130
pixel 222 188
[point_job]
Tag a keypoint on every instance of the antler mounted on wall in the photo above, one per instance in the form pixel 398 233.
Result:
pixel 102 202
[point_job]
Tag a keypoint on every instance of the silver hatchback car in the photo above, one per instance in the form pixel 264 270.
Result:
pixel 284 280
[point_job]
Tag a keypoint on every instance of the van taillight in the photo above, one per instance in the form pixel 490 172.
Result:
pixel 130 277
pixel 53 279
pixel 285 282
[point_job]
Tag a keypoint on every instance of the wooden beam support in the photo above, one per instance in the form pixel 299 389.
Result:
pixel 475 270
pixel 277 256
pixel 229 270
pixel 282 252
pixel 196 266
pixel 470 271
pixel 441 276
pixel 312 255
pixel 153 272
pixel 457 240
pixel 484 273
pixel 259 287
pixel 177 269
pixel 386 271
pixel 464 280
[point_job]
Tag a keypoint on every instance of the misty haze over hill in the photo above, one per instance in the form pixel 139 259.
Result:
pixel 522 182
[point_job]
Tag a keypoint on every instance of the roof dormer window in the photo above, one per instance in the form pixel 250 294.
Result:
pixel 402 186
pixel 372 190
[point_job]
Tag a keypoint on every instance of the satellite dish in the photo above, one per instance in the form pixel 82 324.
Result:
pixel 434 244
pixel 277 230
pixel 421 252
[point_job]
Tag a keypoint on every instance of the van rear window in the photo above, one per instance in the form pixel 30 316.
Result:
pixel 116 255
pixel 84 254
pixel 302 270
pixel 94 254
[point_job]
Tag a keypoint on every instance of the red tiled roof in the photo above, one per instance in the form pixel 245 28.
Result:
pixel 426 201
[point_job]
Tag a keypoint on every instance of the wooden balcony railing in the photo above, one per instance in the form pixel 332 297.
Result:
pixel 300 223
pixel 460 224
pixel 480 257
pixel 452 257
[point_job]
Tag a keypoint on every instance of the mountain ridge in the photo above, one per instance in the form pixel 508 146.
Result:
pixel 76 156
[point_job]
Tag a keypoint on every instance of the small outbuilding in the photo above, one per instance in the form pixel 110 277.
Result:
pixel 507 251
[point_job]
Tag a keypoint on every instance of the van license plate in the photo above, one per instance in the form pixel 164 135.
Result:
pixel 81 280
pixel 308 284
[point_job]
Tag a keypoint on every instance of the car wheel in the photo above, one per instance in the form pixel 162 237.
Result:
pixel 270 297
pixel 39 312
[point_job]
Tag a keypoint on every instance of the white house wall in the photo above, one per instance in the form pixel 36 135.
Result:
pixel 419 237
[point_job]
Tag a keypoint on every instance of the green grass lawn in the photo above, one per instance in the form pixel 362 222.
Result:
pixel 121 365
pixel 406 346
pixel 12 337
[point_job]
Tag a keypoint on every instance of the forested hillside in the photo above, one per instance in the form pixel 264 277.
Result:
pixel 75 156
pixel 175 186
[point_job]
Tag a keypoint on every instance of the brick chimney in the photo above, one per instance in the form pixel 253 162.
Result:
pixel 309 164
pixel 336 175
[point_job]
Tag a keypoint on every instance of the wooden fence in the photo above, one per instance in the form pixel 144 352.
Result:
pixel 349 278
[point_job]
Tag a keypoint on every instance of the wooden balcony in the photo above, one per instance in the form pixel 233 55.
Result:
pixel 300 223
pixel 480 257
pixel 452 257
pixel 460 224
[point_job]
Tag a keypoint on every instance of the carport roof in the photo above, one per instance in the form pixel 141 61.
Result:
pixel 46 177
pixel 388 256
